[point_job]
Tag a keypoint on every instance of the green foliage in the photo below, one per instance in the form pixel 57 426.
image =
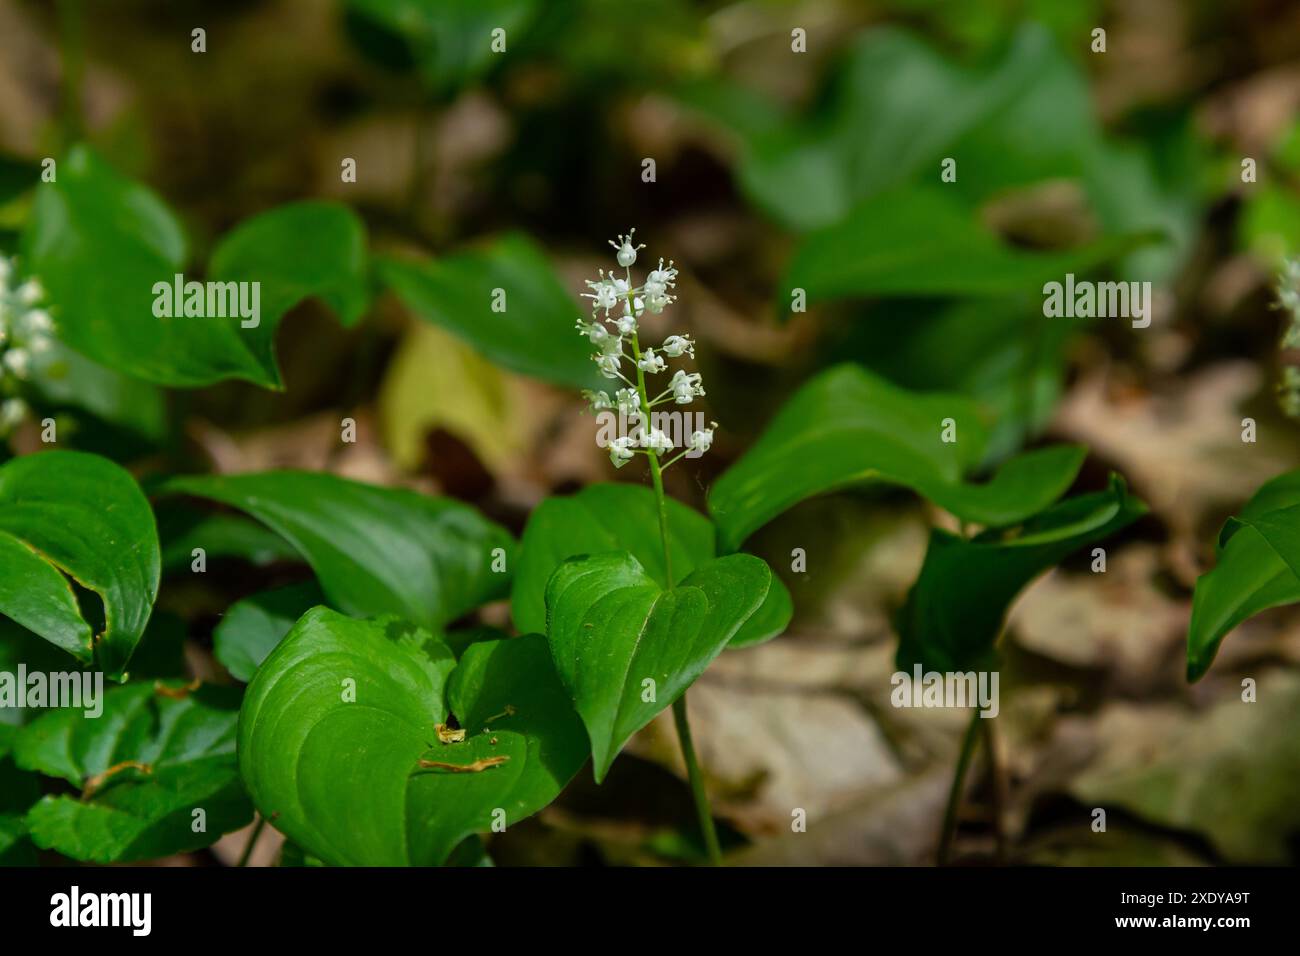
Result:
pixel 344 780
pixel 374 550
pixel 847 427
pixel 64 512
pixel 613 628
pixel 533 333
pixel 156 755
pixel 613 517
pixel 251 628
pixel 1257 567
pixel 100 242
pixel 955 610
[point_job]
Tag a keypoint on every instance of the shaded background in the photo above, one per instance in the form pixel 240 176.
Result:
pixel 755 146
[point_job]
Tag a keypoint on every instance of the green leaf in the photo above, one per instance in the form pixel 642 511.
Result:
pixel 344 781
pixel 99 242
pixel 374 550
pixel 183 528
pixel 64 377
pixel 295 252
pixel 612 628
pixel 618 517
pixel 847 427
pixel 1255 570
pixel 955 610
pixel 18 791
pixel 86 517
pixel 155 756
pixel 251 628
pixel 921 241
pixel 535 332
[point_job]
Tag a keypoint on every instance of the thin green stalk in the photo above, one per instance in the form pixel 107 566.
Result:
pixel 693 772
pixel 955 793
pixel 252 841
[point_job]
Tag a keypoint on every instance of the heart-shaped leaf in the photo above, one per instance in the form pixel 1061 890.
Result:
pixel 505 301
pixel 374 550
pixel 156 756
pixel 99 242
pixel 626 648
pixel 1258 557
pixel 295 252
pixel 87 518
pixel 847 427
pixel 955 610
pixel 617 517
pixel 341 739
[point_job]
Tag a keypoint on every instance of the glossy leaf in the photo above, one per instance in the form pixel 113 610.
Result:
pixel 344 780
pixel 626 648
pixel 297 251
pixel 82 515
pixel 1257 557
pixel 374 550
pixel 955 610
pixel 99 242
pixel 847 427
pixel 533 334
pixel 156 755
pixel 617 517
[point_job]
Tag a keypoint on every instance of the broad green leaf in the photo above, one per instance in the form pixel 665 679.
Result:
pixel 340 715
pixel 157 754
pixel 295 252
pixel 917 240
pixel 955 610
pixel 617 517
pixel 534 334
pixel 847 427
pixel 1255 570
pixel 450 41
pixel 18 791
pixel 86 517
pixel 251 628
pixel 626 648
pixel 374 550
pixel 99 243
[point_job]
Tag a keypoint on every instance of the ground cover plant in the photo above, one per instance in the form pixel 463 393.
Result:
pixel 363 503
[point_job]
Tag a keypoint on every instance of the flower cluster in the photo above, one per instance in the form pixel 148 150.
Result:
pixel 26 331
pixel 616 308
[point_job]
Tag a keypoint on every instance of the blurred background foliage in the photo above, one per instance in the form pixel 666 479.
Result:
pixel 773 169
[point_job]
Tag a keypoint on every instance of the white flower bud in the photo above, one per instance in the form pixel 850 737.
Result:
pixel 18 361
pixel 626 252
pixel 608 365
pixel 702 441
pixel 597 401
pixel 620 451
pixel 658 441
pixel 677 345
pixel 650 362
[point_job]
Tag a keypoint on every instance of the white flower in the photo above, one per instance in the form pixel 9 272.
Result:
pixel 603 295
pixel 650 362
pixel 676 345
pixel 620 451
pixel 39 322
pixel 18 361
pixel 30 292
pixel 685 386
pixel 626 323
pixel 597 401
pixel 12 411
pixel 629 402
pixel 626 254
pixel 702 441
pixel 657 441
pixel 657 303
pixel 608 365
pixel 663 278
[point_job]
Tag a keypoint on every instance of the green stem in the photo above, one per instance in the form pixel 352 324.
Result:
pixel 252 841
pixel 693 772
pixel 954 794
